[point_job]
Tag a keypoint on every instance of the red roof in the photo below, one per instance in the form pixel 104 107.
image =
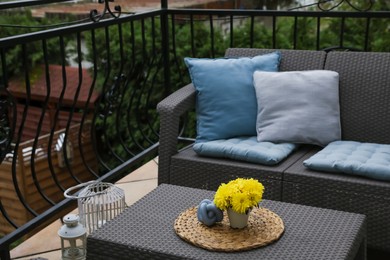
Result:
pixel 39 87
pixel 39 92
pixel 83 8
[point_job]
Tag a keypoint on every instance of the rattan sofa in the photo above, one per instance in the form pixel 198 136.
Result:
pixel 365 117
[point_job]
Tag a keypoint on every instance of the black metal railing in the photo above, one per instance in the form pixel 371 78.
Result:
pixel 78 101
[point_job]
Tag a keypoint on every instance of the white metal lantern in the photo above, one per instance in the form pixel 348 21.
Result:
pixel 98 203
pixel 73 238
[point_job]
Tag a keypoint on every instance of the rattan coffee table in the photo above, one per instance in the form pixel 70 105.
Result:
pixel 145 230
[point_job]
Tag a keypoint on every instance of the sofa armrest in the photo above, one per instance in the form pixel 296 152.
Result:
pixel 170 110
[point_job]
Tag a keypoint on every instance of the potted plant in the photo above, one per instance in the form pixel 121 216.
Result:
pixel 238 197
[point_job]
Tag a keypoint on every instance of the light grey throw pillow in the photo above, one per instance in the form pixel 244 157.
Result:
pixel 298 106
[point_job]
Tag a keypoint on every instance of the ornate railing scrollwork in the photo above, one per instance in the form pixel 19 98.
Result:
pixel 113 96
pixel 328 5
pixel 95 16
pixel 5 130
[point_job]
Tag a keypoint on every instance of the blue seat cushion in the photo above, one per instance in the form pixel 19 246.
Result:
pixel 365 159
pixel 246 149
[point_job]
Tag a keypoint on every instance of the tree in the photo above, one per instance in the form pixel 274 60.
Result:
pixel 266 4
pixel 354 29
pixel 129 67
pixel 13 25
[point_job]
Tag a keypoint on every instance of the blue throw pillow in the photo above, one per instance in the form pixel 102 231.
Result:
pixel 365 159
pixel 226 103
pixel 246 149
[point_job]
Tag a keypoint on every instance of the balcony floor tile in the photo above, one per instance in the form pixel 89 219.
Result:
pixel 46 243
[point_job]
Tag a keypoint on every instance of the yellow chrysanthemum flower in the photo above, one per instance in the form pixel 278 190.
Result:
pixel 240 203
pixel 240 194
pixel 221 197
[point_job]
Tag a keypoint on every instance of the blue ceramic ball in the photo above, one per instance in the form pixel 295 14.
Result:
pixel 208 213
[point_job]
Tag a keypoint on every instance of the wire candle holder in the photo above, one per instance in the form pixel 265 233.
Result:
pixel 98 202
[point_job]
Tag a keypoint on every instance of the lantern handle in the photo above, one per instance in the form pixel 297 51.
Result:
pixel 81 185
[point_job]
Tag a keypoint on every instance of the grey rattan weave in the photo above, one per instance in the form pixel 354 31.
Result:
pixel 342 192
pixel 188 169
pixel 364 94
pixel 365 117
pixel 171 162
pixel 145 231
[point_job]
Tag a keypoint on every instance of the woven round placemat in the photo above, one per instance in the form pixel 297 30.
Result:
pixel 264 227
